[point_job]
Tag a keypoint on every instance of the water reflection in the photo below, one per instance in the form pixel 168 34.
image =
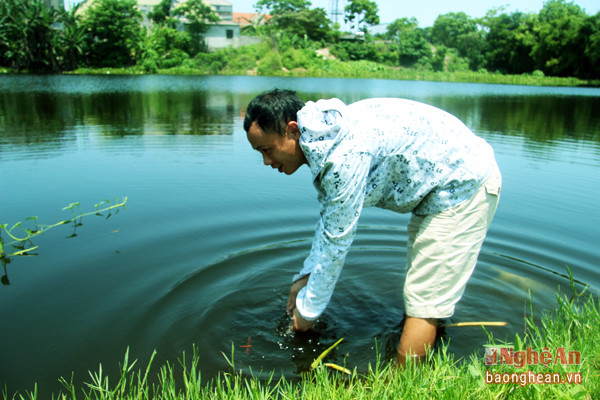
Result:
pixel 30 116
pixel 538 118
pixel 38 118
pixel 157 107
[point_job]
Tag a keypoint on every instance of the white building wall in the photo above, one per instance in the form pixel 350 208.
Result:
pixel 222 35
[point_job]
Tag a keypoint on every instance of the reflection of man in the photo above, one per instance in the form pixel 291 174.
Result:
pixel 389 153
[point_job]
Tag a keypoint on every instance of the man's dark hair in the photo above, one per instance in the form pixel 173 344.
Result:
pixel 273 110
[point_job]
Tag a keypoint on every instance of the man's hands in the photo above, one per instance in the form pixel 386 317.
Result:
pixel 294 290
pixel 298 323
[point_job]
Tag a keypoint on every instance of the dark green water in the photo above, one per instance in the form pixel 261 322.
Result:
pixel 204 253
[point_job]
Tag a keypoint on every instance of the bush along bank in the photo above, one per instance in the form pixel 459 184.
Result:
pixel 268 59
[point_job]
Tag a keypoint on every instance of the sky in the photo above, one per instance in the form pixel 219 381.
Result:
pixel 426 11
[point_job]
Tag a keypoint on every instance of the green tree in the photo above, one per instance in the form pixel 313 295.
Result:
pixel 198 17
pixel 561 41
pixel 447 28
pixel 510 41
pixel 72 39
pixel 165 47
pixel 362 50
pixel 295 17
pixel 461 32
pixel 27 39
pixel 363 13
pixel 472 46
pixel 410 40
pixel 398 27
pixel 160 12
pixel 438 61
pixel 592 48
pixel 278 7
pixel 312 23
pixel 115 33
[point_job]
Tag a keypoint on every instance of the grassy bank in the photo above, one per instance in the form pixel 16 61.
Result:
pixel 367 70
pixel 280 65
pixel 572 326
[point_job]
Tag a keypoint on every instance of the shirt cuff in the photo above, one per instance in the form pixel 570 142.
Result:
pixel 306 312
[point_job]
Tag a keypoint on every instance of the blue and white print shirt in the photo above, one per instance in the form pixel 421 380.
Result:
pixel 395 154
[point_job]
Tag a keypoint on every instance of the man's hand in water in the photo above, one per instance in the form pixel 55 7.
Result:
pixel 298 323
pixel 291 303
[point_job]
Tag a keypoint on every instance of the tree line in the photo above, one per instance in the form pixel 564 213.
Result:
pixel 560 40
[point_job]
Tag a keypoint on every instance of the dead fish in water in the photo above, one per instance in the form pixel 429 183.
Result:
pixel 522 282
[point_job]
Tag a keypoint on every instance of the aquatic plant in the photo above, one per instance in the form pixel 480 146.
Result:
pixel 21 236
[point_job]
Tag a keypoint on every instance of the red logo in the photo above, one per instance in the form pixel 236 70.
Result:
pixel 491 355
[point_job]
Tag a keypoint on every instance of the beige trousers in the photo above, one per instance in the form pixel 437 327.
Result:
pixel 442 252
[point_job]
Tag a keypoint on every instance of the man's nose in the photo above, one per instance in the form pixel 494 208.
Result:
pixel 267 160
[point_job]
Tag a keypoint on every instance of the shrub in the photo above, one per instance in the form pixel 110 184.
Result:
pixel 149 66
pixel 537 73
pixel 269 64
pixel 293 58
pixel 209 62
pixel 242 63
pixel 173 58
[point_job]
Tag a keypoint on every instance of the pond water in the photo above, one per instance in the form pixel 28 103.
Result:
pixel 203 255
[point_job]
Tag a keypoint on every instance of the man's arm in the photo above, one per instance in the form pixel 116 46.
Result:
pixel 343 185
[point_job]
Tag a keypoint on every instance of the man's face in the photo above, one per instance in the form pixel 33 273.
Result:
pixel 281 152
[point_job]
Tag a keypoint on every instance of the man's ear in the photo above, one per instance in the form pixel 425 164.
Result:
pixel 292 130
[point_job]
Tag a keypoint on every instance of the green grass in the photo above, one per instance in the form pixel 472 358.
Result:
pixel 369 70
pixel 573 325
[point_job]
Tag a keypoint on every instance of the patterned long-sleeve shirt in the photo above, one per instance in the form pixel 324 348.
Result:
pixel 395 154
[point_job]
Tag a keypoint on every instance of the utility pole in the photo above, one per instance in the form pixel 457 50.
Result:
pixel 335 12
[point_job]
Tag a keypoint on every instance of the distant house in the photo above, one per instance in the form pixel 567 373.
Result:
pixel 226 32
pixel 247 19
pixel 221 34
pixel 222 8
pixel 248 23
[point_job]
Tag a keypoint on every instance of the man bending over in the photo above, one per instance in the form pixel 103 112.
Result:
pixel 396 154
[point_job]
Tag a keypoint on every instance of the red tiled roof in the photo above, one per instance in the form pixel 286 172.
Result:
pixel 247 18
